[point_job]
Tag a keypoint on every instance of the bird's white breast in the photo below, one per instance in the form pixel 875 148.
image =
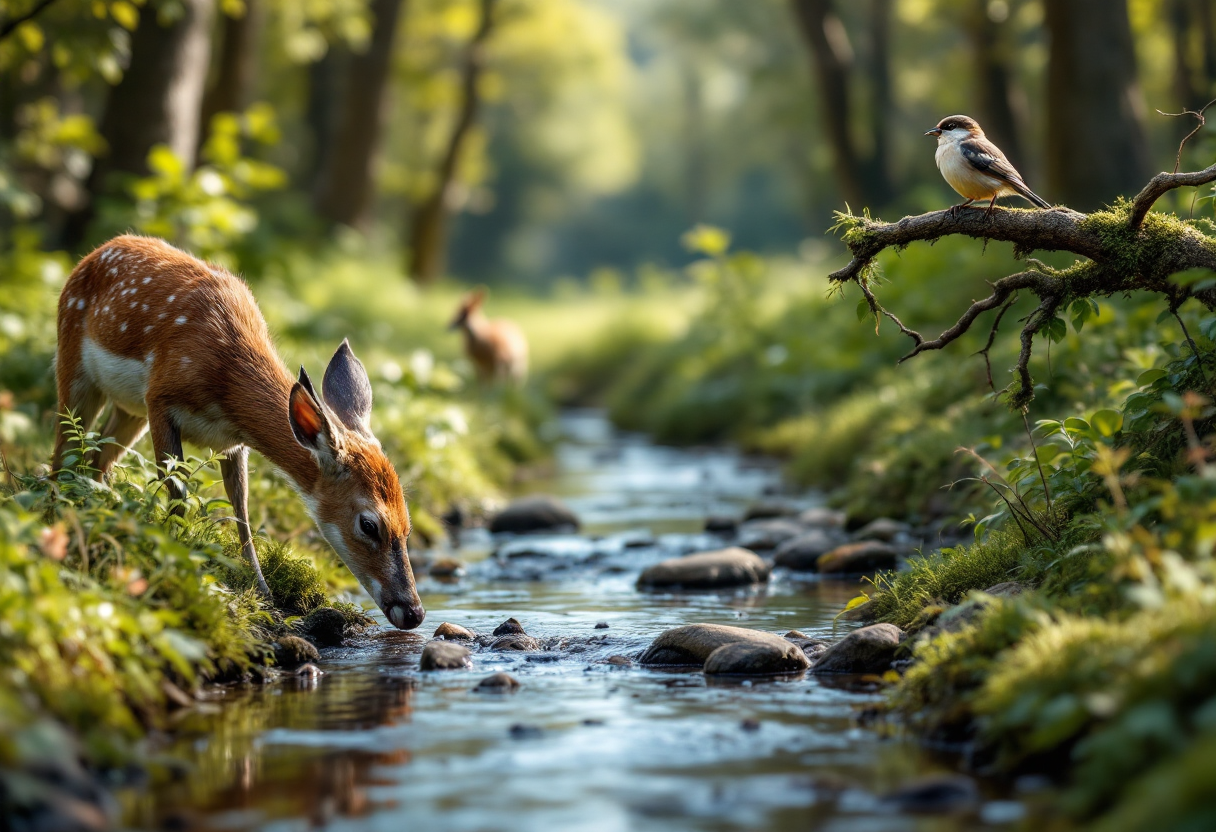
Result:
pixel 962 175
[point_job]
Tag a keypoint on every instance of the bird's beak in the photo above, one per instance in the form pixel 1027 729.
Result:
pixel 936 131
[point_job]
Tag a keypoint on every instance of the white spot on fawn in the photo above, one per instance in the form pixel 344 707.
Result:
pixel 147 280
pixel 133 304
pixel 161 316
pixel 123 328
pixel 172 298
pixel 185 359
pixel 148 328
pixel 143 307
pixel 113 272
pixel 80 304
pixel 181 319
pixel 107 308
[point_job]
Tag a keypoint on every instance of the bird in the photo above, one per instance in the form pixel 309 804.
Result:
pixel 975 167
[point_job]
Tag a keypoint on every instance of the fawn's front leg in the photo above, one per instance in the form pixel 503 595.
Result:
pixel 235 469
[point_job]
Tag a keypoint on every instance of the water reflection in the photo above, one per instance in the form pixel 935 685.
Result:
pixel 375 744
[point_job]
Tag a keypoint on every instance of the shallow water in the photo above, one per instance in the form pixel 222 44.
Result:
pixel 374 744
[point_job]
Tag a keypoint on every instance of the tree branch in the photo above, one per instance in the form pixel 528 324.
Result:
pixel 1123 256
pixel 1163 183
pixel 10 26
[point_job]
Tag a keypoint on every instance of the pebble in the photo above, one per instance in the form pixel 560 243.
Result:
pixel 444 655
pixel 498 683
pixel 451 632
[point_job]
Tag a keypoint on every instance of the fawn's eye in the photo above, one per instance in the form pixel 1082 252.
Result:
pixel 369 528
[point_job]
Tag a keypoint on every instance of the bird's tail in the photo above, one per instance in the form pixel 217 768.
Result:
pixel 1031 196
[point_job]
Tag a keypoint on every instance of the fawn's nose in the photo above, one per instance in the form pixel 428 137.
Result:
pixel 405 615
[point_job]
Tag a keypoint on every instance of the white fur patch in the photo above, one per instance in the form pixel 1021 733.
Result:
pixel 125 380
pixel 181 319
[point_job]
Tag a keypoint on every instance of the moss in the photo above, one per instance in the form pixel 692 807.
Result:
pixel 295 584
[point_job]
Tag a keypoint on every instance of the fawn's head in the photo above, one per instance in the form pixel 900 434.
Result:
pixel 357 502
pixel 468 306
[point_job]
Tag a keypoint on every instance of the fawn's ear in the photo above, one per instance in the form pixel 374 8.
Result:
pixel 348 391
pixel 310 425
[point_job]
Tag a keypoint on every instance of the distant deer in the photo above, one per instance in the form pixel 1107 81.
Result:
pixel 497 348
pixel 180 346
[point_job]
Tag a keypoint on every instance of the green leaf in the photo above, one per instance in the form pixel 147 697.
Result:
pixel 1046 453
pixel 706 239
pixel 863 309
pixel 1108 422
pixel 1149 376
pixel 1055 330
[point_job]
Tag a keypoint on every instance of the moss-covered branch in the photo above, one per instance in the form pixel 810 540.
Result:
pixel 1127 248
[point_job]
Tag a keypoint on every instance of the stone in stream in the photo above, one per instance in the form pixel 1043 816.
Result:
pixel 536 513
pixel 934 794
pixel 509 627
pixel 884 529
pixel 721 524
pixel 748 658
pixel 497 683
pixel 868 650
pixel 802 553
pixel 822 517
pixel 769 509
pixel 447 568
pixel 453 632
pixel 862 558
pixel 692 644
pixel 813 648
pixel 324 627
pixel 293 651
pixel 619 661
pixel 707 570
pixel 862 612
pixel 768 534
pixel 515 642
pixel 601 625
pixel 444 655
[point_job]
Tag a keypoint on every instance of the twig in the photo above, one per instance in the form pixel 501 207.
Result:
pixel 1197 114
pixel 1042 478
pixel 1194 347
pixel 996 323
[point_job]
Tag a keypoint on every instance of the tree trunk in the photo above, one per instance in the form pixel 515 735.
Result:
pixel 832 58
pixel 232 89
pixel 158 100
pixel 428 225
pixel 998 107
pixel 879 187
pixel 325 78
pixel 344 195
pixel 1095 113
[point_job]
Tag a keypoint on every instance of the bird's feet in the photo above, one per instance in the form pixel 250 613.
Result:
pixel 954 209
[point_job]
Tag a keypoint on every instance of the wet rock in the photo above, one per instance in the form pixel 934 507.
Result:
pixel 868 650
pixel 510 626
pixel 812 648
pixel 453 632
pixel 324 627
pixel 746 658
pixel 620 661
pixel 537 513
pixel 768 509
pixel 822 517
pixel 862 558
pixel 692 644
pixel 497 683
pixel 447 568
pixel 601 625
pixel 768 534
pixel 293 651
pixel 750 725
pixel 707 570
pixel 1007 589
pixel 937 794
pixel 515 641
pixel 721 524
pixel 545 658
pixel 309 671
pixel 802 553
pixel 884 529
pixel 520 731
pixel 444 655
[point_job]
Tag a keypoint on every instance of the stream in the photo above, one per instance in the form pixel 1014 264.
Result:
pixel 376 744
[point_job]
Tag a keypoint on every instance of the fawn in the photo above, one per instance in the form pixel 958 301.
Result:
pixel 497 348
pixel 179 346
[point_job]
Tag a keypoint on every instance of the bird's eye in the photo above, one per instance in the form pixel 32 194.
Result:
pixel 369 528
pixel 951 125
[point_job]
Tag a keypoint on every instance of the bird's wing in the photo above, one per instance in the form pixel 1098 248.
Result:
pixel 987 158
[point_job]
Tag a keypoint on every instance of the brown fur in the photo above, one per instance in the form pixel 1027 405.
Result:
pixel 496 347
pixel 214 378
